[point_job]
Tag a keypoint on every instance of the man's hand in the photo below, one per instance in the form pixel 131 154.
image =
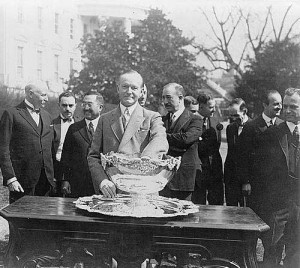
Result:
pixel 108 188
pixel 15 187
pixel 246 189
pixel 65 187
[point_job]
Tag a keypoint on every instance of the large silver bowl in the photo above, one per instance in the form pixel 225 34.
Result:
pixel 137 175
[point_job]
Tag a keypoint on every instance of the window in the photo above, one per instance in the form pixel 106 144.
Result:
pixel 56 23
pixel 56 68
pixel 40 17
pixel 71 65
pixel 20 66
pixel 39 65
pixel 71 28
pixel 20 14
pixel 85 29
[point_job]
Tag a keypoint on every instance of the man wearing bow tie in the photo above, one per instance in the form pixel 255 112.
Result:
pixel 237 118
pixel 25 145
pixel 128 129
pixel 67 106
pixel 76 180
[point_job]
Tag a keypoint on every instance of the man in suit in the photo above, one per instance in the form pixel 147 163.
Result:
pixel 77 179
pixel 25 145
pixel 282 176
pixel 143 97
pixel 67 106
pixel 209 182
pixel 251 160
pixel 129 129
pixel 237 117
pixel 191 104
pixel 183 132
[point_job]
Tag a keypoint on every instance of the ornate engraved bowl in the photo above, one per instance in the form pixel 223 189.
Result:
pixel 137 175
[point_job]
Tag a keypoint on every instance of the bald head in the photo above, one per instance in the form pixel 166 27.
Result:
pixel 36 94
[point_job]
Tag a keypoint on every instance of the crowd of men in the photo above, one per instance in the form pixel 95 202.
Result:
pixel 61 157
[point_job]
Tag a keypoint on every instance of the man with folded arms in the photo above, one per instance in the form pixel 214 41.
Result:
pixel 183 132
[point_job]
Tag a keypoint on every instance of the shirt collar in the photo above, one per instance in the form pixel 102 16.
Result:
pixel 178 113
pixel 95 122
pixel 130 108
pixel 62 119
pixel 268 119
pixel 29 104
pixel 292 126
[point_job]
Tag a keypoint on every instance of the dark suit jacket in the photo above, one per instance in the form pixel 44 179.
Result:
pixel 183 139
pixel 251 152
pixel 145 135
pixel 209 153
pixel 254 164
pixel 232 137
pixel 23 150
pixel 74 160
pixel 280 187
pixel 55 144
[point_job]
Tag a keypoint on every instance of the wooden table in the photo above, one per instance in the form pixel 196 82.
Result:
pixel 50 231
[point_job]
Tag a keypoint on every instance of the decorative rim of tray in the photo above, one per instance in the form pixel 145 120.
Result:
pixel 164 207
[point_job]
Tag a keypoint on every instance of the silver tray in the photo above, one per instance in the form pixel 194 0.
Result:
pixel 123 205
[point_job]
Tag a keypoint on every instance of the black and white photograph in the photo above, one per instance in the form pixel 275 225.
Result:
pixel 150 133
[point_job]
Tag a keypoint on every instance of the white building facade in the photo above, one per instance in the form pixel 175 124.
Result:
pixel 39 39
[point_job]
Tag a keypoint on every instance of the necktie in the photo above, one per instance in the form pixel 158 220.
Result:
pixel 205 124
pixel 271 123
pixel 125 118
pixel 295 139
pixel 67 120
pixel 91 129
pixel 33 110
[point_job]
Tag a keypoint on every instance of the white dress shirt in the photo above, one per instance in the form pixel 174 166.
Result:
pixel 63 131
pixel 35 116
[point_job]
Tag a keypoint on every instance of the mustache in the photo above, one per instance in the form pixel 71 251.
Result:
pixel 277 109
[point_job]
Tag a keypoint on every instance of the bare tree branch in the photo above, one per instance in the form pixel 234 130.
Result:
pixel 283 21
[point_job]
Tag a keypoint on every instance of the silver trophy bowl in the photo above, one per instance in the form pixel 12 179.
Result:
pixel 137 175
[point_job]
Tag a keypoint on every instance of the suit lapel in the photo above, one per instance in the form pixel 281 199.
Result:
pixel 261 123
pixel 116 123
pixel 57 127
pixel 26 115
pixel 83 131
pixel 133 125
pixel 283 140
pixel 180 122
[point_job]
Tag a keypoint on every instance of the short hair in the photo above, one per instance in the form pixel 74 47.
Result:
pixel 203 98
pixel 35 85
pixel 291 91
pixel 179 88
pixel 130 71
pixel 190 100
pixel 66 94
pixel 265 97
pixel 99 97
pixel 240 102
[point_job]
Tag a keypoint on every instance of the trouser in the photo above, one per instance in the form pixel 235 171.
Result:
pixel 42 188
pixel 208 189
pixel 233 194
pixel 284 231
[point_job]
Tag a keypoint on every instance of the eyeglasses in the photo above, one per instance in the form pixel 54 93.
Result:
pixel 89 104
